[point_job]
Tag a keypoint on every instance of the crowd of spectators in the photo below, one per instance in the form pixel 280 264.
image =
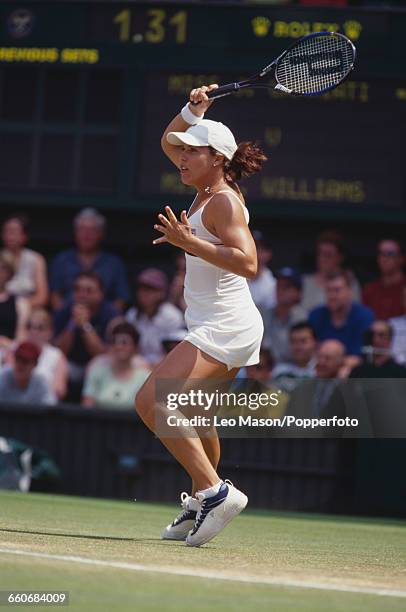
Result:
pixel 79 329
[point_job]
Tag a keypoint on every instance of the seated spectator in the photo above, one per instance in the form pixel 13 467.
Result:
pixel 318 397
pixel 14 311
pixel 378 360
pixel 261 371
pixel 330 259
pixel 152 315
pixel 175 293
pixel 384 296
pixel 52 363
pixel 80 326
pixel 279 319
pixel 88 256
pixel 114 382
pixel 30 270
pixel 303 344
pixel 341 318
pixel 398 325
pixel 20 383
pixel 263 286
pixel 258 380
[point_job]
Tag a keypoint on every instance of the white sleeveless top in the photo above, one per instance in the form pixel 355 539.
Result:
pixel 221 316
pixel 23 281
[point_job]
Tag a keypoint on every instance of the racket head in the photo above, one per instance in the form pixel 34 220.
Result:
pixel 315 64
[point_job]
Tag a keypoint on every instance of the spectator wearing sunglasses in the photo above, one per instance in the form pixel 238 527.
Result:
pixel 384 295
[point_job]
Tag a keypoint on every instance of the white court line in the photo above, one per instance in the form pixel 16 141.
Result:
pixel 213 575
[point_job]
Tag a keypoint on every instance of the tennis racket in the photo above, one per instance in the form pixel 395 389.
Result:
pixel 311 66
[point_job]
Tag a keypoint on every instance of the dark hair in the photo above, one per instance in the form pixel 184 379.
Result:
pixel 302 325
pixel 332 237
pixel 346 276
pixel 267 354
pixel 127 329
pixel 92 276
pixel 247 160
pixel 21 219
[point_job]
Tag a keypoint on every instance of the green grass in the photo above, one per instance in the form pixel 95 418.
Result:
pixel 340 551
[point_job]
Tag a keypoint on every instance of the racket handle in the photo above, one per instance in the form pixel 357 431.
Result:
pixel 224 90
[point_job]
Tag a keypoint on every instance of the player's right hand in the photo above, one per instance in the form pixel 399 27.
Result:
pixel 199 99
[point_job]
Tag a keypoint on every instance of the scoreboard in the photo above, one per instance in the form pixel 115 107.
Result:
pixel 86 89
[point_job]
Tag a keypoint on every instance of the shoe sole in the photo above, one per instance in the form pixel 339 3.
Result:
pixel 167 535
pixel 236 509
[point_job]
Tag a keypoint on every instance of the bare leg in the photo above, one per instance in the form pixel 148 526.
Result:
pixel 211 445
pixel 183 362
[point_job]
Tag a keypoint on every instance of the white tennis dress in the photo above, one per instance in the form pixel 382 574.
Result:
pixel 221 316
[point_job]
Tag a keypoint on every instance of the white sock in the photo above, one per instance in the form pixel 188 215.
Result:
pixel 210 491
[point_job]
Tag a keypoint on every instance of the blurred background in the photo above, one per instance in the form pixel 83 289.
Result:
pixel 88 306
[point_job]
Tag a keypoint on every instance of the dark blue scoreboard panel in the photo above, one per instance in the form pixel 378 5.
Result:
pixel 86 89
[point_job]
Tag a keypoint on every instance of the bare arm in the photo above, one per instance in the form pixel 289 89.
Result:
pixel 60 381
pixel 23 313
pixel 56 300
pixel 178 124
pixel 41 295
pixel 87 401
pixel 65 339
pixel 92 341
pixel 237 254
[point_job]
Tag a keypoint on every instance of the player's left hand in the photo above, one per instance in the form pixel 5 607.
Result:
pixel 178 233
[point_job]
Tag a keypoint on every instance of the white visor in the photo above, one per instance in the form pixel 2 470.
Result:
pixel 207 133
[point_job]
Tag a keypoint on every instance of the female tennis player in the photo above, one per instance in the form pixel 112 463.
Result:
pixel 224 326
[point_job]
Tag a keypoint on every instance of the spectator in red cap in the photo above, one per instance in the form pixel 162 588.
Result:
pixel 152 315
pixel 19 382
pixel 384 295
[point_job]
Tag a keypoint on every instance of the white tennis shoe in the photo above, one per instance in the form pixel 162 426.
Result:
pixel 183 523
pixel 215 513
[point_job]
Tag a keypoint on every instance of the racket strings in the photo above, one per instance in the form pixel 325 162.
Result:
pixel 315 64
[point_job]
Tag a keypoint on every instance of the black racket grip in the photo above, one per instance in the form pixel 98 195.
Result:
pixel 223 90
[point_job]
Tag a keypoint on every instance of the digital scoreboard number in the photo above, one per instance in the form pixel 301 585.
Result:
pixel 341 148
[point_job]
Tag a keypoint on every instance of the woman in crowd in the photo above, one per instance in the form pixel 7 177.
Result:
pixel 152 314
pixel 113 380
pixel 14 311
pixel 30 274
pixel 52 363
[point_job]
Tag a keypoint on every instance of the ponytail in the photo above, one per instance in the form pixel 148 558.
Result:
pixel 247 160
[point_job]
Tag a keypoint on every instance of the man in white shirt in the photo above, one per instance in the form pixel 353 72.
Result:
pixel 398 325
pixel 263 286
pixel 153 316
pixel 303 344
